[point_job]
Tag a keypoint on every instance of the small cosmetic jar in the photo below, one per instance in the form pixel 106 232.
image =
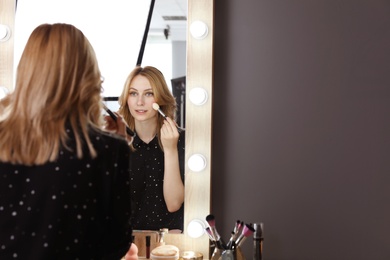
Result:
pixel 165 252
pixel 191 255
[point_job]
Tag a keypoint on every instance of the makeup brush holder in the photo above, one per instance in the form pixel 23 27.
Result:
pixel 228 254
pixel 216 254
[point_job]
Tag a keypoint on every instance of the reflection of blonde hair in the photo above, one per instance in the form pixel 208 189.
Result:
pixel 161 92
pixel 58 82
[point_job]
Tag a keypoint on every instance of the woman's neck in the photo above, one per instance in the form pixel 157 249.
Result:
pixel 146 130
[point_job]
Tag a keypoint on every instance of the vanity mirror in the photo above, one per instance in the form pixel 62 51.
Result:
pixel 199 76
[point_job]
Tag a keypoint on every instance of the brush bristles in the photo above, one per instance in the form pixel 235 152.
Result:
pixel 210 218
pixel 156 106
pixel 248 230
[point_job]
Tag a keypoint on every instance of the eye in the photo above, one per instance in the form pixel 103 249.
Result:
pixel 133 93
pixel 149 94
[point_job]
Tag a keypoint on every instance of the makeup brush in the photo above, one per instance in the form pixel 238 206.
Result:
pixel 210 234
pixel 238 230
pixel 246 231
pixel 234 233
pixel 236 226
pixel 229 245
pixel 157 108
pixel 113 116
pixel 218 240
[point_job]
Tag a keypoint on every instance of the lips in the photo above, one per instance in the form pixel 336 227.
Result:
pixel 141 112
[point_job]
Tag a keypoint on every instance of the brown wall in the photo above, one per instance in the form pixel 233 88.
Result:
pixel 301 127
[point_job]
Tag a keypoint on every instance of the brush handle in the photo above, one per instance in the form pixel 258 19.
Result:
pixel 162 113
pixel 218 239
pixel 113 116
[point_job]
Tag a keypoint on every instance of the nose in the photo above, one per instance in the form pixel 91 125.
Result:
pixel 140 100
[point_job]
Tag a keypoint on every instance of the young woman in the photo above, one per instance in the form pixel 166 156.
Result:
pixel 157 163
pixel 65 188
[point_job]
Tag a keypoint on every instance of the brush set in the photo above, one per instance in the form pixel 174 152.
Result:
pixel 232 249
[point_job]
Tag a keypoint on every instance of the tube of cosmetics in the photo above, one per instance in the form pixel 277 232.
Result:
pixel 147 248
pixel 258 241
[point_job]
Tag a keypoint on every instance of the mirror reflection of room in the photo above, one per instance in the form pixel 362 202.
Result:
pixel 157 161
pixel 117 48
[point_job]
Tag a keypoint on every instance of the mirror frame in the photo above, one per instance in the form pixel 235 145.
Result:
pixel 200 71
pixel 198 118
pixel 7 17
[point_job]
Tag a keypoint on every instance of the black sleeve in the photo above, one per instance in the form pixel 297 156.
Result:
pixel 118 235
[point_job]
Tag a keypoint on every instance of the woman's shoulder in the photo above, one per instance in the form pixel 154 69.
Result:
pixel 105 138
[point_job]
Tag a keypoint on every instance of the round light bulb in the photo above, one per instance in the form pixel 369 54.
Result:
pixel 5 33
pixel 197 162
pixel 195 228
pixel 199 30
pixel 198 96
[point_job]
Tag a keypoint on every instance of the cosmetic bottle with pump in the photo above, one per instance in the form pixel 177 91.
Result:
pixel 258 241
pixel 161 233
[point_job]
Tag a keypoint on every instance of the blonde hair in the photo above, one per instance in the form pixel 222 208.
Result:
pixel 58 83
pixel 161 92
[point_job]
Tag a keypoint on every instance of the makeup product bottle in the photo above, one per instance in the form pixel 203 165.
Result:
pixel 147 247
pixel 258 241
pixel 160 239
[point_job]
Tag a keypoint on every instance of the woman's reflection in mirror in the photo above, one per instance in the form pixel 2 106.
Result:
pixel 64 189
pixel 157 162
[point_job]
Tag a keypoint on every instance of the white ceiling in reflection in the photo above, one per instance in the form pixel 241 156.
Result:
pixel 115 29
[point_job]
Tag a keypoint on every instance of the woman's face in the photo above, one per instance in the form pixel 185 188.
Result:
pixel 141 99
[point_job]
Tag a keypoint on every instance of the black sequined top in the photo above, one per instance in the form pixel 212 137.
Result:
pixel 147 175
pixel 68 209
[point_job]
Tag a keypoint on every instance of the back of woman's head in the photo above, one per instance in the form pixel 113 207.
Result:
pixel 57 73
pixel 57 82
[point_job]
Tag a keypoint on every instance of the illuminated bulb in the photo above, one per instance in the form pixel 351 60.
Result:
pixel 198 96
pixel 195 228
pixel 5 32
pixel 199 30
pixel 197 162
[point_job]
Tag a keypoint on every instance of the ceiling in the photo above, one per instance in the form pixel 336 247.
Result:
pixel 171 15
pixel 168 14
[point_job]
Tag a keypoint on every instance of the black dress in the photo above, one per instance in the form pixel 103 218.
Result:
pixel 68 209
pixel 147 176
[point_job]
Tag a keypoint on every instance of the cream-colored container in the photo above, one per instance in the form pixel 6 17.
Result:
pixel 191 255
pixel 165 252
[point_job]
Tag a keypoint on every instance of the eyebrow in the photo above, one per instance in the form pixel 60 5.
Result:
pixel 131 88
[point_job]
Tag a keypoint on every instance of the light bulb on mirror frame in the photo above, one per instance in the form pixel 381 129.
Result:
pixel 5 33
pixel 199 30
pixel 198 96
pixel 197 162
pixel 196 228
